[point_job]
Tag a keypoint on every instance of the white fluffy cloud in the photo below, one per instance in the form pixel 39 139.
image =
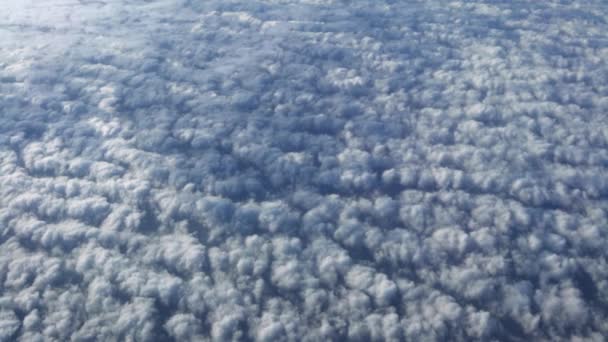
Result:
pixel 303 170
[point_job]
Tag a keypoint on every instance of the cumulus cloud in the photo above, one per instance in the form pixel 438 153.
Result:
pixel 303 170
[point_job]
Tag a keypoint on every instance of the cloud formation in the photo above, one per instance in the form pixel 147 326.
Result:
pixel 303 170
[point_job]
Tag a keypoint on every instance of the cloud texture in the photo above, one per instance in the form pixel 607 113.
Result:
pixel 308 170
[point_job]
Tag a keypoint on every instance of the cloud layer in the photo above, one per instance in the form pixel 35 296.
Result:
pixel 303 170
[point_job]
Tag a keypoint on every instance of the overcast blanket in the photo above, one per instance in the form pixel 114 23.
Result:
pixel 311 170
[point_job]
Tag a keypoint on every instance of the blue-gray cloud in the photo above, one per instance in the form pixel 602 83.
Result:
pixel 303 170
